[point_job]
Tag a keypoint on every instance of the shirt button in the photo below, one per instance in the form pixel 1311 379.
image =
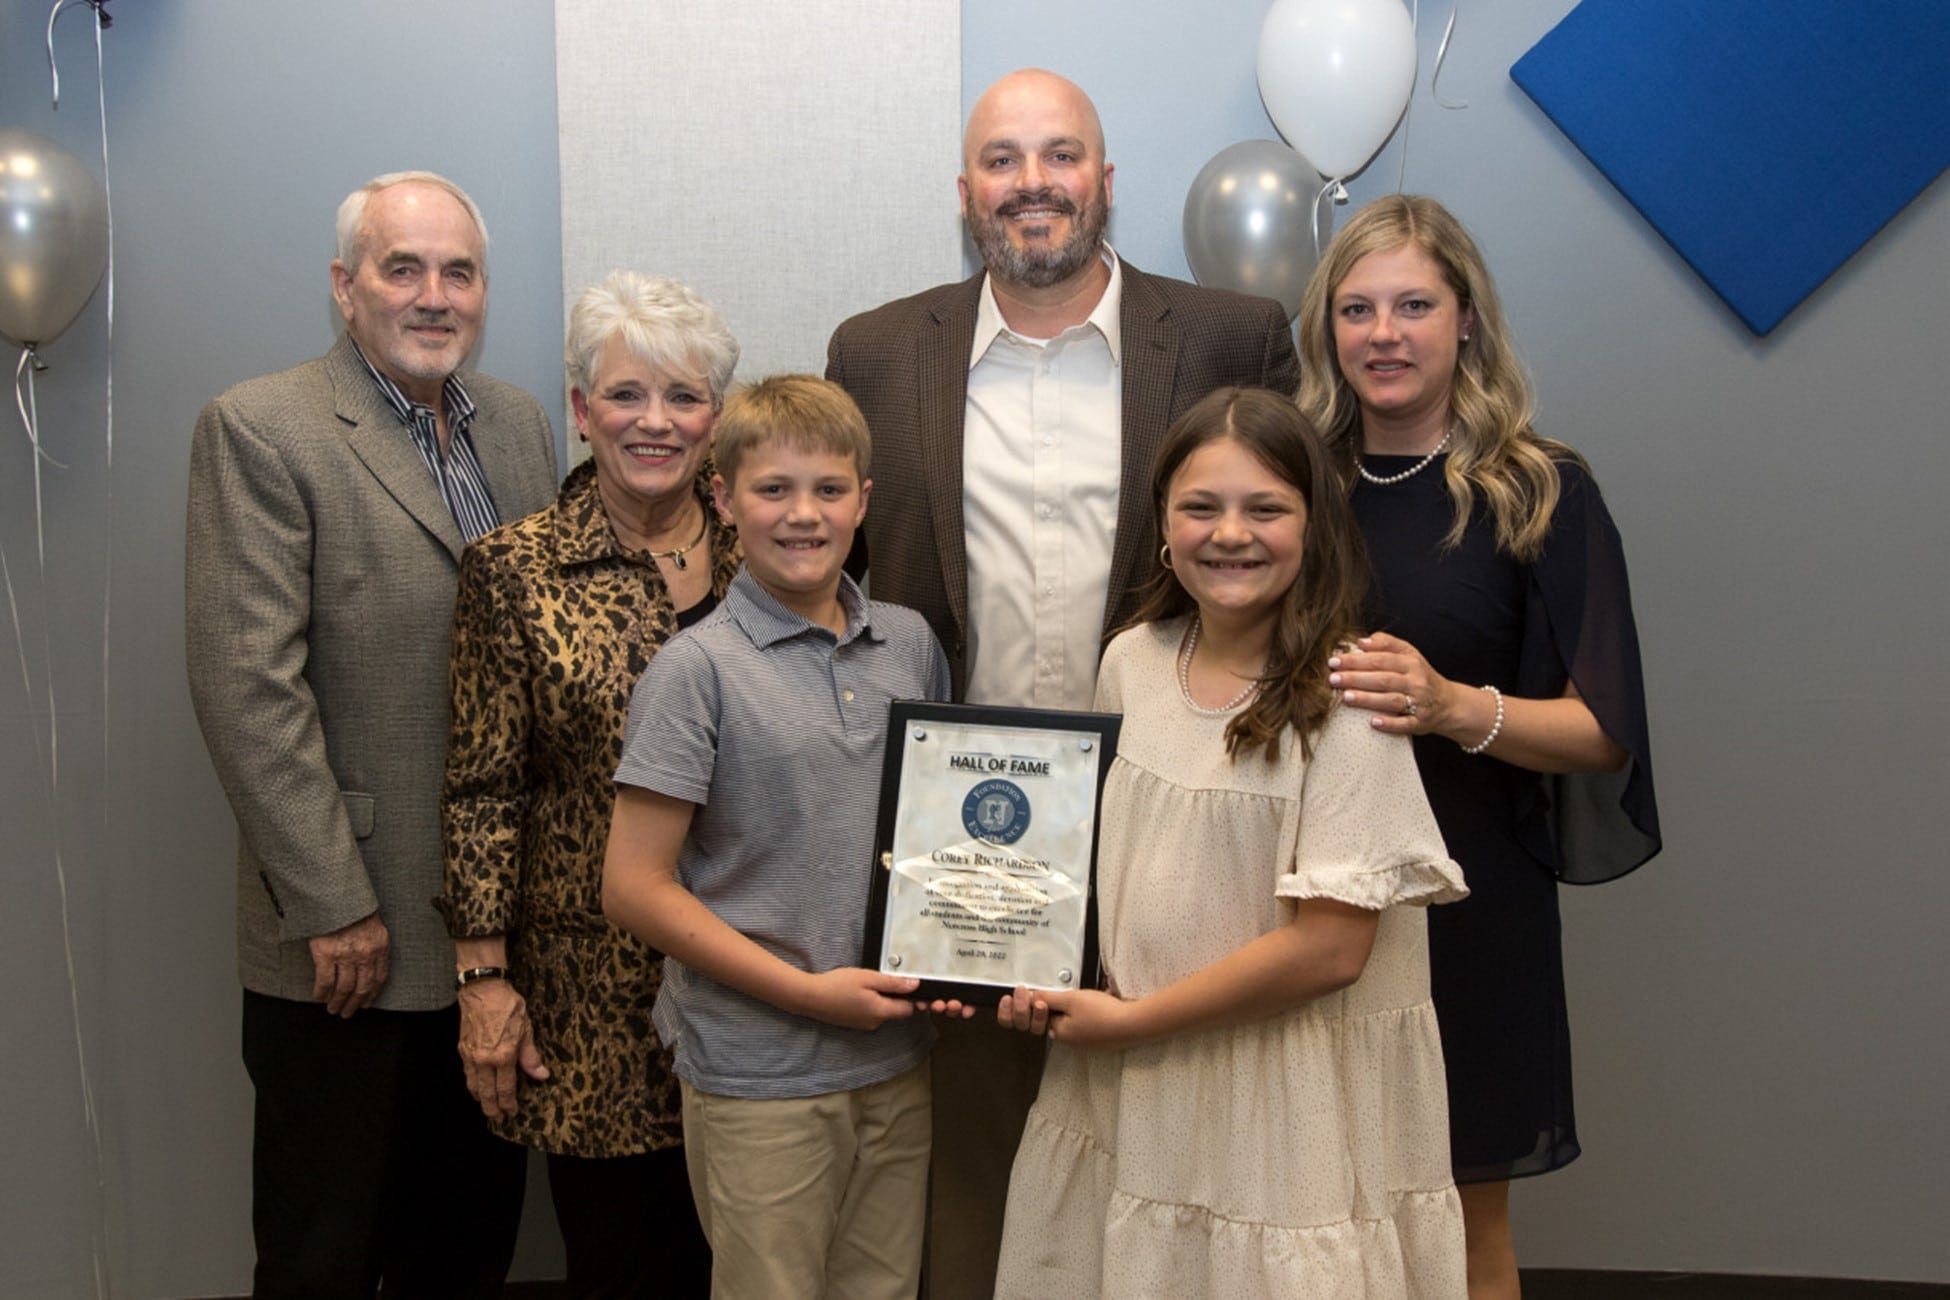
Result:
pixel 847 696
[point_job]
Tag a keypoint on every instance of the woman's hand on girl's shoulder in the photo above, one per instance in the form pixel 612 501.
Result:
pixel 1389 677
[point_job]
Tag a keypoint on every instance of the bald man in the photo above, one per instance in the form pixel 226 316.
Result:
pixel 1015 418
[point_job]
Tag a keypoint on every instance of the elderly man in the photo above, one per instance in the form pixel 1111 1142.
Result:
pixel 328 508
pixel 1015 418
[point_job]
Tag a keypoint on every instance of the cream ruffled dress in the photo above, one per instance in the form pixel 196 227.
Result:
pixel 1304 1155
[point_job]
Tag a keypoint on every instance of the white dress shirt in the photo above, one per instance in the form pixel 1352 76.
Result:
pixel 1041 464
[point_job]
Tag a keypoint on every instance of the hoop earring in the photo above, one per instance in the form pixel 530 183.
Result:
pixel 1164 555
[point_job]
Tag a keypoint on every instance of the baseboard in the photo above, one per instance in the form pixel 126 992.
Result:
pixel 1594 1284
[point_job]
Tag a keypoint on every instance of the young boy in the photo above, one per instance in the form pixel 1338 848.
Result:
pixel 741 847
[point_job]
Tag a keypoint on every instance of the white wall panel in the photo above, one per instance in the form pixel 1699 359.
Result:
pixel 792 162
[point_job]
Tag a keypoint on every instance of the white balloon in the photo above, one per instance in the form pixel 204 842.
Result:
pixel 1335 76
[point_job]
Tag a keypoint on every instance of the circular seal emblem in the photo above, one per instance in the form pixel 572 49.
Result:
pixel 996 811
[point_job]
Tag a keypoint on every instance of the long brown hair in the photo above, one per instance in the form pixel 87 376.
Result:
pixel 1321 611
pixel 1493 450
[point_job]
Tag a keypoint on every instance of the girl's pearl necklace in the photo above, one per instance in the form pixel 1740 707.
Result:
pixel 1380 480
pixel 1185 678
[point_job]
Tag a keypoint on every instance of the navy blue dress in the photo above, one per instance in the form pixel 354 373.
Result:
pixel 1496 964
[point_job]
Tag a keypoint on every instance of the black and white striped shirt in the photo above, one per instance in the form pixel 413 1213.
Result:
pixel 462 484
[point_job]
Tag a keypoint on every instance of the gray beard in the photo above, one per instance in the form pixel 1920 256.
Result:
pixel 1040 268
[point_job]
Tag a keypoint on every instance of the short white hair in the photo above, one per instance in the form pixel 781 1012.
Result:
pixel 666 325
pixel 352 213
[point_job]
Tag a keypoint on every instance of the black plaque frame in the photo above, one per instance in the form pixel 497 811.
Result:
pixel 903 716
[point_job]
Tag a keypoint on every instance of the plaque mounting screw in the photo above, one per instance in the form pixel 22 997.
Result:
pixel 920 733
pixel 894 961
pixel 1064 977
pixel 1085 745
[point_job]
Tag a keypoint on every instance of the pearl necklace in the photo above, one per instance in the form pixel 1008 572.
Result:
pixel 1380 480
pixel 703 527
pixel 1185 678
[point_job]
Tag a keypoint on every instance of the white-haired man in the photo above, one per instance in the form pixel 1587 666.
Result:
pixel 328 508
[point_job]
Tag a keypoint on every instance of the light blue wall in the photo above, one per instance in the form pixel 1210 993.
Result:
pixel 1759 1051
pixel 1173 86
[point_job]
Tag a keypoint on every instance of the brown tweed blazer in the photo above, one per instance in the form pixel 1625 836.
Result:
pixel 321 570
pixel 906 364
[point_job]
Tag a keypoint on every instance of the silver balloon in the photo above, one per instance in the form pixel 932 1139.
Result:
pixel 1249 221
pixel 53 236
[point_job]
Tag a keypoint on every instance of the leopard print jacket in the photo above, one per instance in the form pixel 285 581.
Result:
pixel 554 624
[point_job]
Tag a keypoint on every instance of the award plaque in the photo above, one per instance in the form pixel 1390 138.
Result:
pixel 985 854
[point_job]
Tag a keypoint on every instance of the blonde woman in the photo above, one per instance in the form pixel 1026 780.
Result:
pixel 1504 644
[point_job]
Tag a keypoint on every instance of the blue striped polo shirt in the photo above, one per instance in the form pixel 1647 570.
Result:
pixel 776 728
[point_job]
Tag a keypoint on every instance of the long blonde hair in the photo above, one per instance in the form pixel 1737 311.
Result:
pixel 1493 450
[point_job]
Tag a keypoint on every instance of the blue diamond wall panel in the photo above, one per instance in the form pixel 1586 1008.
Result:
pixel 1766 140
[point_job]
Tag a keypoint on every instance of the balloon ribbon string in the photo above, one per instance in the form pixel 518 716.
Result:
pixel 24 379
pixel 101 21
pixel 51 764
pixel 98 1226
pixel 1435 76
pixel 1441 54
pixel 51 757
pixel 1339 191
pixel 1408 109
pixel 108 403
pixel 24 370
pixel 20 645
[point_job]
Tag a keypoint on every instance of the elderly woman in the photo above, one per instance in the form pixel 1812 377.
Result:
pixel 558 614
pixel 1506 648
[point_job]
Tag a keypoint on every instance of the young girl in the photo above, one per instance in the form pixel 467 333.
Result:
pixel 1255 1108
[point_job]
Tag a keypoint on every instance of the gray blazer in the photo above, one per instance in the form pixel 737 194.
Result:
pixel 906 364
pixel 321 571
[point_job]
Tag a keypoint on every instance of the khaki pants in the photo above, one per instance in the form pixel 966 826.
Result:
pixel 812 1198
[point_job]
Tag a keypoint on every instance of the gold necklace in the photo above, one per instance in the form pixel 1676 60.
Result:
pixel 703 527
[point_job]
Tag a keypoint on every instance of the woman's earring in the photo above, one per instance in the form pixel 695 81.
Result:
pixel 1164 555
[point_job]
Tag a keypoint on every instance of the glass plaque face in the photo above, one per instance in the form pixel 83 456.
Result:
pixel 988 836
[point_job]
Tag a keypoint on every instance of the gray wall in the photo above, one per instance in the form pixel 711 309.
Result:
pixel 234 130
pixel 1759 1051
